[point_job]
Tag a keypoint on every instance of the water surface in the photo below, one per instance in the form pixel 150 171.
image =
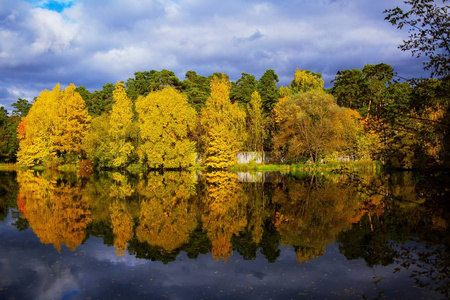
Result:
pixel 180 235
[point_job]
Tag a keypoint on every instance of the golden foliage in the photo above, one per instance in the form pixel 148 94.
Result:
pixel 257 131
pixel 56 124
pixel 120 127
pixel 71 122
pixel 312 124
pixel 165 119
pixel 305 81
pixel 224 126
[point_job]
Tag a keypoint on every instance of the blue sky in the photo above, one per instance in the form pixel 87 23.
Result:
pixel 93 42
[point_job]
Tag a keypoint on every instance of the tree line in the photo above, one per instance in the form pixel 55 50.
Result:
pixel 159 121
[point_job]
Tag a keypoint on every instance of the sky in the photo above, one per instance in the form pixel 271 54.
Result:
pixel 94 42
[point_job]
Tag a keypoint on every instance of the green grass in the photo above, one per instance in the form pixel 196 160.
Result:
pixel 68 168
pixel 356 166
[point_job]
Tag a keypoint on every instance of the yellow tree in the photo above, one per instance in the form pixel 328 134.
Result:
pixel 224 126
pixel 257 133
pixel 96 144
pixel 35 140
pixel 71 122
pixel 120 127
pixel 55 126
pixel 305 80
pixel 311 125
pixel 165 119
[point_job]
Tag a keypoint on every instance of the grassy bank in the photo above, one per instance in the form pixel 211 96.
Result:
pixel 360 166
pixel 356 166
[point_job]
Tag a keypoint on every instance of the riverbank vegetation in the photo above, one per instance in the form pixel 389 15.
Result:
pixel 366 115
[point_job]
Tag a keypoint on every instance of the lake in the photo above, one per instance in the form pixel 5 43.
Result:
pixel 182 235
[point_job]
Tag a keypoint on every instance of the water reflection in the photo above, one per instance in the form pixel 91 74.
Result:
pixel 56 210
pixel 160 215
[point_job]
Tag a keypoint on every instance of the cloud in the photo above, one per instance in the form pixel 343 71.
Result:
pixel 92 42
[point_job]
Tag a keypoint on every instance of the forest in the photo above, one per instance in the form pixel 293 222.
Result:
pixel 158 121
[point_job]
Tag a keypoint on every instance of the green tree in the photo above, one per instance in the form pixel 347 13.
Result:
pixel 428 25
pixel 196 87
pixel 364 90
pixel 8 136
pixel 165 119
pixel 242 89
pixel 268 90
pixel 97 102
pixel 348 88
pixel 145 82
pixel 22 107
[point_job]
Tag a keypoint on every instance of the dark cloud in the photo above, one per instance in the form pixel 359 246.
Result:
pixel 92 42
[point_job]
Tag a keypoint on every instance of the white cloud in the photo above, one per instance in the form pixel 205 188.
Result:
pixel 51 31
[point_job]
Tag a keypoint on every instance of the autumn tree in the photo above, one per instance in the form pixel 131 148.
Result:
pixel 224 126
pixel 165 119
pixel 122 224
pixel 70 124
pixel 428 25
pixel 55 126
pixel 120 127
pixel 312 211
pixel 257 131
pixel 305 80
pixel 310 125
pixel 96 143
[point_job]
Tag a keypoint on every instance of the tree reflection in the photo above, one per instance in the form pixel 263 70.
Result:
pixel 165 218
pixel 224 212
pixel 122 224
pixel 55 209
pixel 398 219
pixel 407 225
pixel 312 211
